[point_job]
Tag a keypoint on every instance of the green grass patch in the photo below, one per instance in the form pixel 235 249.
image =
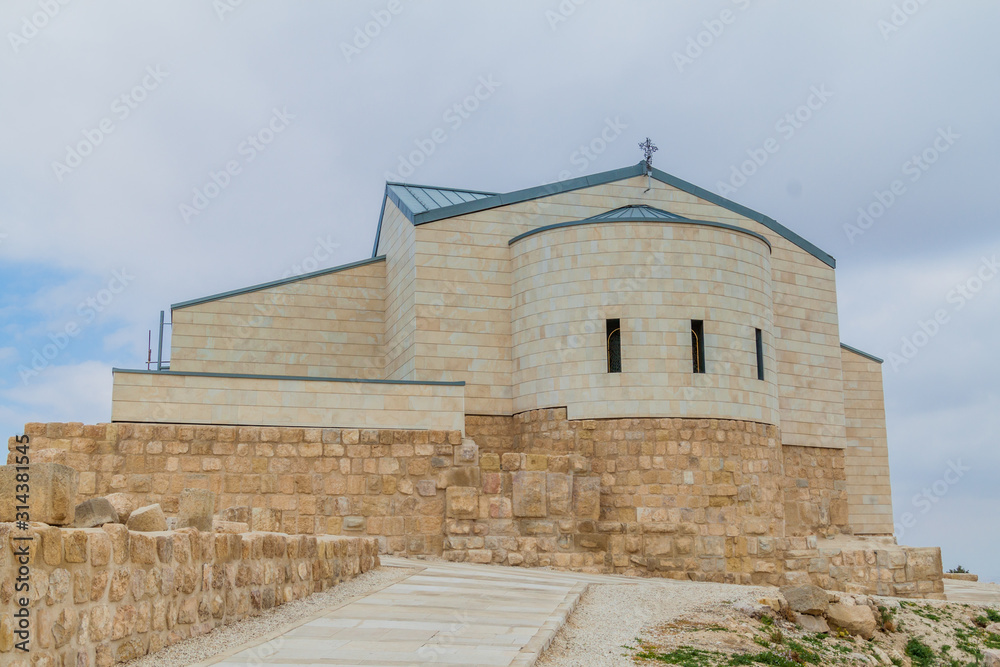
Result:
pixel 920 653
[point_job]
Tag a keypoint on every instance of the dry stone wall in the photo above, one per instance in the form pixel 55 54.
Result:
pixel 710 500
pixel 101 596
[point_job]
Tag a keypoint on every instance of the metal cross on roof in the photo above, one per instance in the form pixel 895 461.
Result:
pixel 648 148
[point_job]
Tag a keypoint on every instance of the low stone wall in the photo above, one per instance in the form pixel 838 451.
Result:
pixel 385 483
pixel 100 596
pixel 869 566
pixel 709 500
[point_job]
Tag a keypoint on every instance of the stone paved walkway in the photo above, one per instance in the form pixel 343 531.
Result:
pixel 445 614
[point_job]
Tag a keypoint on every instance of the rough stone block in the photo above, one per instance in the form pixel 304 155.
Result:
pixel 230 527
pixel 858 620
pixel 462 502
pixel 241 514
pixel 529 494
pixel 266 520
pixel 147 519
pixel 559 489
pixel 197 507
pixel 467 454
pixel 94 512
pixel 587 498
pixel 806 599
pixel 124 505
pixel 52 497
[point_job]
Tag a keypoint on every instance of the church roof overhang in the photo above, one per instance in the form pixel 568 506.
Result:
pixel 474 201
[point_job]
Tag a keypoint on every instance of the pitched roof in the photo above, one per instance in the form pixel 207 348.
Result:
pixel 637 212
pixel 481 201
pixel 414 199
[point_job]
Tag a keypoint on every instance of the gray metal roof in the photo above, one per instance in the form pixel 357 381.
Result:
pixel 414 199
pixel 637 212
pixel 400 194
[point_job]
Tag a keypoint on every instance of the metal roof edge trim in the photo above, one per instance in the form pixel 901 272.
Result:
pixel 139 371
pixel 863 354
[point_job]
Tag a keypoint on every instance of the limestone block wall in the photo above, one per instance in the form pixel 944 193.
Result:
pixel 384 483
pixel 101 596
pixel 815 491
pixel 869 493
pixel 326 325
pixel 172 397
pixel 458 256
pixel 655 278
pixel 398 243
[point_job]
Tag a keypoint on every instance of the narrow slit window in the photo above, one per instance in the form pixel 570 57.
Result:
pixel 760 355
pixel 698 345
pixel 614 345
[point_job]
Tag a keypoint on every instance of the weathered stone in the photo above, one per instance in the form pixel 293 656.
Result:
pixel 123 504
pixel 426 487
pixel 119 537
pixel 197 507
pixel 462 502
pixel 53 493
pixel 265 520
pixel 811 624
pixel 806 599
pixel 147 519
pixel 991 658
pixel 95 512
pixel 587 497
pixel 559 492
pixel 241 514
pixel 229 527
pixel 857 620
pixel 529 494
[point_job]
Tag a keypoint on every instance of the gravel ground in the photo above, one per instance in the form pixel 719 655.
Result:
pixel 609 616
pixel 233 635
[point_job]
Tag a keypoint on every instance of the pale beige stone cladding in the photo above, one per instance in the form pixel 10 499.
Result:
pixel 397 241
pixel 173 398
pixel 329 325
pixel 655 278
pixel 457 314
pixel 869 493
pixel 101 596
pixel 384 483
pixel 815 491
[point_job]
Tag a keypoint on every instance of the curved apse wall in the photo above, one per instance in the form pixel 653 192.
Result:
pixel 656 277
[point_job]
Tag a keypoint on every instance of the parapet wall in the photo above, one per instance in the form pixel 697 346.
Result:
pixel 710 500
pixel 101 596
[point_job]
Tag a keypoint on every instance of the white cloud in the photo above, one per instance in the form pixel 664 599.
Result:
pixel 75 393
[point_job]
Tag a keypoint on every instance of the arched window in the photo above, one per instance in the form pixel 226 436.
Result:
pixel 698 345
pixel 614 346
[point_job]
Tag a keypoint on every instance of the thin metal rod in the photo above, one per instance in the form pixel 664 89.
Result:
pixel 159 351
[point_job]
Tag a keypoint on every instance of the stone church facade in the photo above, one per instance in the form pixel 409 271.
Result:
pixel 621 372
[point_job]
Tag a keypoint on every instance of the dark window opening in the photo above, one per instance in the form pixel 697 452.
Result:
pixel 614 345
pixel 698 345
pixel 760 355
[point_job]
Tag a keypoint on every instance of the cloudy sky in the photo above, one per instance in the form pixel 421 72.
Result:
pixel 153 152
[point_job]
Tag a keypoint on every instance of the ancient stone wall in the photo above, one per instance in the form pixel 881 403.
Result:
pixel 712 500
pixel 100 596
pixel 815 492
pixel 322 481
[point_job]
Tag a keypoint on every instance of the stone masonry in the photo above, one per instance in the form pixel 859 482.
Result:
pixel 712 500
pixel 101 596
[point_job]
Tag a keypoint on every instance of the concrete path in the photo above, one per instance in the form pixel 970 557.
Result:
pixel 445 614
pixel 971 592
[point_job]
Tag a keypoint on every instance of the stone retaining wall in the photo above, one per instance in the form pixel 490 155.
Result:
pixel 100 596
